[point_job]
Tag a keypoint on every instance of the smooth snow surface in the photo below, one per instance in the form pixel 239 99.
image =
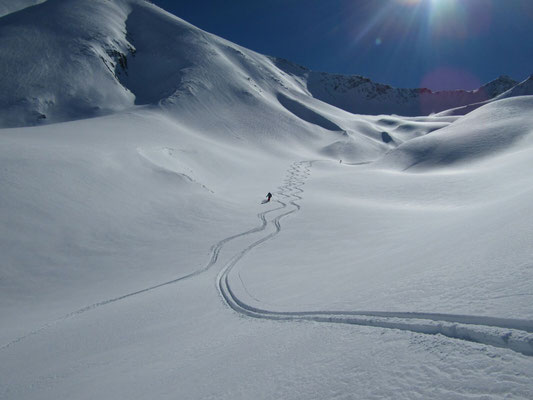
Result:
pixel 11 6
pixel 394 260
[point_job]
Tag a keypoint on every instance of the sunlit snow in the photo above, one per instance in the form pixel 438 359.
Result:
pixel 137 261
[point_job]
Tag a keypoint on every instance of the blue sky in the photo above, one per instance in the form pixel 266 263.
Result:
pixel 440 44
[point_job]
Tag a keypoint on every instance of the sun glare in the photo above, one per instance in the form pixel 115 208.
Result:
pixel 409 2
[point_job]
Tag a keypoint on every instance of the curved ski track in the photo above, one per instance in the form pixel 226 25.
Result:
pixel 215 251
pixel 513 334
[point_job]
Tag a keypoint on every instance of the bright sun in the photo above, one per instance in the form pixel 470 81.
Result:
pixel 409 2
pixel 416 2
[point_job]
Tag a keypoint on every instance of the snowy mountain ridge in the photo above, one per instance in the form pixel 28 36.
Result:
pixel 95 58
pixel 360 95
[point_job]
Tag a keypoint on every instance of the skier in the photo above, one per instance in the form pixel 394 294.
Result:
pixel 269 196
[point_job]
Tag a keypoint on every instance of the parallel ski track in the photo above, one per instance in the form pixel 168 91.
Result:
pixel 513 334
pixel 215 251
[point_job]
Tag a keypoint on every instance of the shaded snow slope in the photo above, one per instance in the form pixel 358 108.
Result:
pixel 59 64
pixel 89 58
pixel 504 125
pixel 524 88
pixel 11 6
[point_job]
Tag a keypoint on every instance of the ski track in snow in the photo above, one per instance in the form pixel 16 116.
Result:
pixel 513 334
pixel 215 251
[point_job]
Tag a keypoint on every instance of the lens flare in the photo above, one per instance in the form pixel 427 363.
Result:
pixel 446 78
pixel 449 77
pixel 454 18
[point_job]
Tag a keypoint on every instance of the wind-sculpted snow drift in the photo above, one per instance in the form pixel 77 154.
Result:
pixel 488 131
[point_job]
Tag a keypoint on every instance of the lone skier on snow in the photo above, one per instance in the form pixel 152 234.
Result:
pixel 268 197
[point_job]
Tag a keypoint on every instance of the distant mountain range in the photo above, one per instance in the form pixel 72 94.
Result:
pixel 361 95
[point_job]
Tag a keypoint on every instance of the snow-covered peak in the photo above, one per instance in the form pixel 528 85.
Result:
pixel 524 88
pixel 498 86
pixel 360 95
pixel 65 60
pixel 70 59
pixel 58 61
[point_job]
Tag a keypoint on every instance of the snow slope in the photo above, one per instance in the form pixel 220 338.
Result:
pixel 61 67
pixel 395 229
pixel 137 261
pixel 10 6
pixel 500 126
pixel 203 134
pixel 524 88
